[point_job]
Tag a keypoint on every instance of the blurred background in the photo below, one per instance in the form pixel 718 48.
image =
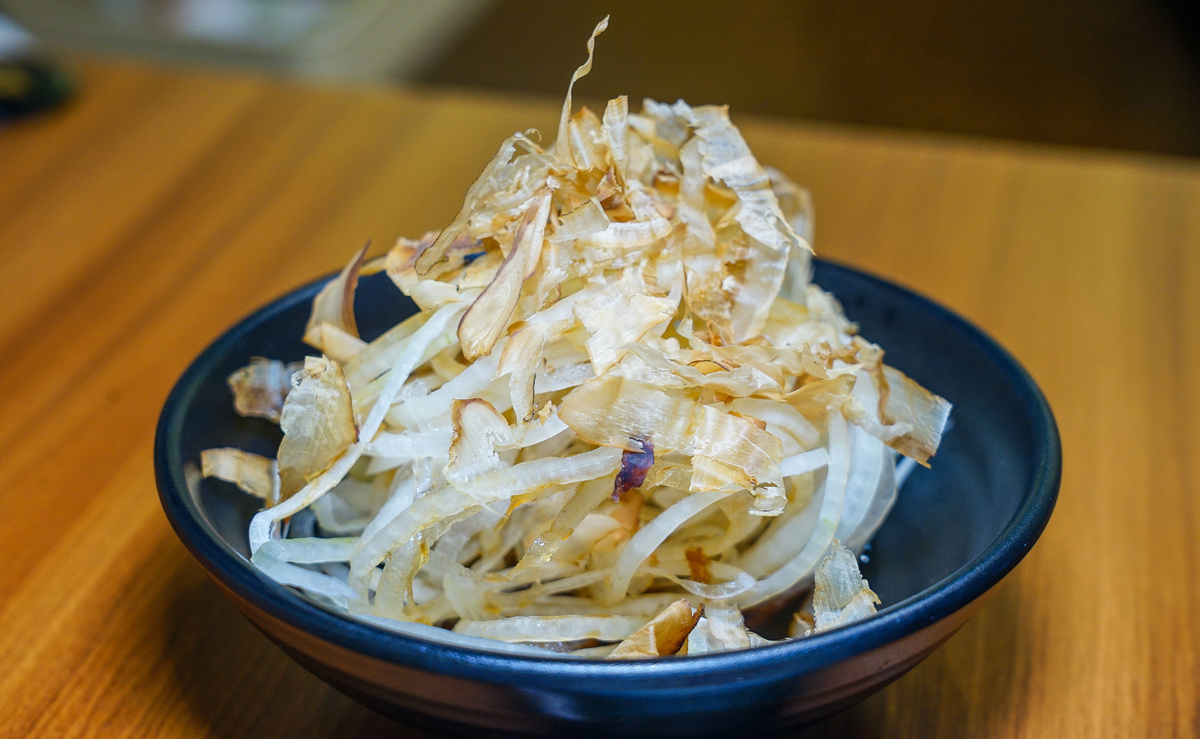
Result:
pixel 1121 74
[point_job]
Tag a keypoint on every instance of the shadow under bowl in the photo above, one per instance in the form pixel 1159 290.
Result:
pixel 956 530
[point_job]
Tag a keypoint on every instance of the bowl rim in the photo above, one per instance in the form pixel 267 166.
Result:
pixel 932 604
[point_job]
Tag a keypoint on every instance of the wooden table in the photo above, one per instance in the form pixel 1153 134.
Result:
pixel 140 221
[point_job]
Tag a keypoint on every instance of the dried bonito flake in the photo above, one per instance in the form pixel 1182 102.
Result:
pixel 488 316
pixel 841 595
pixel 317 421
pixel 620 390
pixel 260 387
pixel 663 636
pixel 479 431
pixel 253 473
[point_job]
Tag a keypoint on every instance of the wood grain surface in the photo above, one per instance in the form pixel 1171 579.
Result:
pixel 140 221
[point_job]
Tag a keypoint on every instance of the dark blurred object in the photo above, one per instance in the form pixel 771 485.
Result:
pixel 1122 74
pixel 30 87
pixel 1185 14
pixel 345 40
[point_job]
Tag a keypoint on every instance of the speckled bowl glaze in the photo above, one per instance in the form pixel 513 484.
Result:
pixel 955 532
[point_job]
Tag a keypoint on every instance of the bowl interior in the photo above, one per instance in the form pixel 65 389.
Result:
pixel 1001 443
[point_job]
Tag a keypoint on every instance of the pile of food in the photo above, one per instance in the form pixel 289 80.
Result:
pixel 621 418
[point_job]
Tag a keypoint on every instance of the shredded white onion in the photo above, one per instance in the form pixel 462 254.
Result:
pixel 814 459
pixel 650 536
pixel 800 566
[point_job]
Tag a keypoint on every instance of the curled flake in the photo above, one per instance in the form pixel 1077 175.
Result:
pixel 520 361
pixel 334 342
pixel 616 131
pixel 619 316
pixel 664 635
pixel 317 421
pixel 428 293
pixel 562 146
pixel 904 415
pixel 795 203
pixel 260 388
pixel 841 595
pixel 906 402
pixel 727 159
pixel 486 319
pixel 253 473
pixel 588 146
pixel 331 327
pixel 627 235
pixel 432 260
pixel 335 303
pixel 479 431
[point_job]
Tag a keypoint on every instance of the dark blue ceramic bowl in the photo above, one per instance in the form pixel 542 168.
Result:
pixel 955 532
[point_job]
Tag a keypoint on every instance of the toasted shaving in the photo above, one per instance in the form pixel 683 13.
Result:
pixel 260 387
pixel 663 636
pixel 317 421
